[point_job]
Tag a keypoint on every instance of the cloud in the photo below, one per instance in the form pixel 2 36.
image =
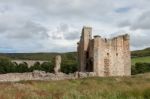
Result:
pixel 29 30
pixel 123 9
pixel 72 35
pixel 125 23
pixel 142 22
pixel 140 41
pixel 68 32
pixel 55 25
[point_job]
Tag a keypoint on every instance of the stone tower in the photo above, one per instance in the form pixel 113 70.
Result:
pixel 83 47
pixel 57 64
pixel 105 57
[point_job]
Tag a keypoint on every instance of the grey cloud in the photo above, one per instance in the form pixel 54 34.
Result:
pixel 125 23
pixel 58 32
pixel 29 30
pixel 138 41
pixel 68 33
pixel 72 35
pixel 18 24
pixel 142 22
pixel 63 27
pixel 3 28
pixel 66 9
pixel 55 35
pixel 64 31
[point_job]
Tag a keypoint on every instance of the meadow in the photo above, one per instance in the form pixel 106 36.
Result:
pixel 145 59
pixel 134 87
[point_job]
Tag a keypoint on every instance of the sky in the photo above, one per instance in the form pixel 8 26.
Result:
pixel 55 25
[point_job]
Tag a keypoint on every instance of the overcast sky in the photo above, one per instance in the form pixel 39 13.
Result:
pixel 55 25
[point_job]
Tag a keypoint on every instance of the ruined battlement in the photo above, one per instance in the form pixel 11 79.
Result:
pixel 105 57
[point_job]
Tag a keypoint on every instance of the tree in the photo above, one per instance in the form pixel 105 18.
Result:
pixel 36 66
pixel 5 65
pixel 69 66
pixel 47 66
pixel 22 67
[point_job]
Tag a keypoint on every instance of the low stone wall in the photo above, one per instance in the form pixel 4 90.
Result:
pixel 41 75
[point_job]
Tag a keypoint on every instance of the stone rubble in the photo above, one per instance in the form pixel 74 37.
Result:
pixel 42 75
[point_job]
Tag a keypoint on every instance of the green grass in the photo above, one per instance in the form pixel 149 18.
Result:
pixel 141 59
pixel 135 87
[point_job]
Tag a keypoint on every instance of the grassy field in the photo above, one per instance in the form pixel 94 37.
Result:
pixel 141 59
pixel 135 87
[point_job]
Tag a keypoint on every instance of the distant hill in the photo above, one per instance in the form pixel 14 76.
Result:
pixel 65 56
pixel 39 56
pixel 141 53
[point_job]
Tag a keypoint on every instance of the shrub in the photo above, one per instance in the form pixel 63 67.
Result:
pixel 140 68
pixel 6 66
pixel 47 66
pixel 22 67
pixel 36 66
pixel 69 67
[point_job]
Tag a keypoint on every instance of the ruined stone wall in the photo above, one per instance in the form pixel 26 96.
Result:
pixel 116 57
pixel 121 56
pixel 98 56
pixel 127 55
pixel 83 47
pixel 112 56
pixel 105 57
pixel 42 75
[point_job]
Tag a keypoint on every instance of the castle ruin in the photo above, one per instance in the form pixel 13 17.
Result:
pixel 105 57
pixel 57 64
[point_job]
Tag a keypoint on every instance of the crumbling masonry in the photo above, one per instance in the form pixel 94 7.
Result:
pixel 105 57
pixel 57 64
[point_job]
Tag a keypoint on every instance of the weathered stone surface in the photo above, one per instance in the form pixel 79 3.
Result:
pixel 83 74
pixel 91 74
pixel 105 57
pixel 41 75
pixel 57 64
pixel 37 73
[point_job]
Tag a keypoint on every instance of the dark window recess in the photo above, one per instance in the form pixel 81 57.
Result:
pixel 116 54
pixel 105 40
pixel 107 54
pixel 89 65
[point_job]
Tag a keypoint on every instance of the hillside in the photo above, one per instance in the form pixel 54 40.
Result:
pixel 135 87
pixel 39 56
pixel 145 59
pixel 141 53
pixel 141 56
pixel 137 56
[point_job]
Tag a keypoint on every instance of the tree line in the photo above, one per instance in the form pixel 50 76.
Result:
pixel 139 68
pixel 6 66
pixel 67 66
